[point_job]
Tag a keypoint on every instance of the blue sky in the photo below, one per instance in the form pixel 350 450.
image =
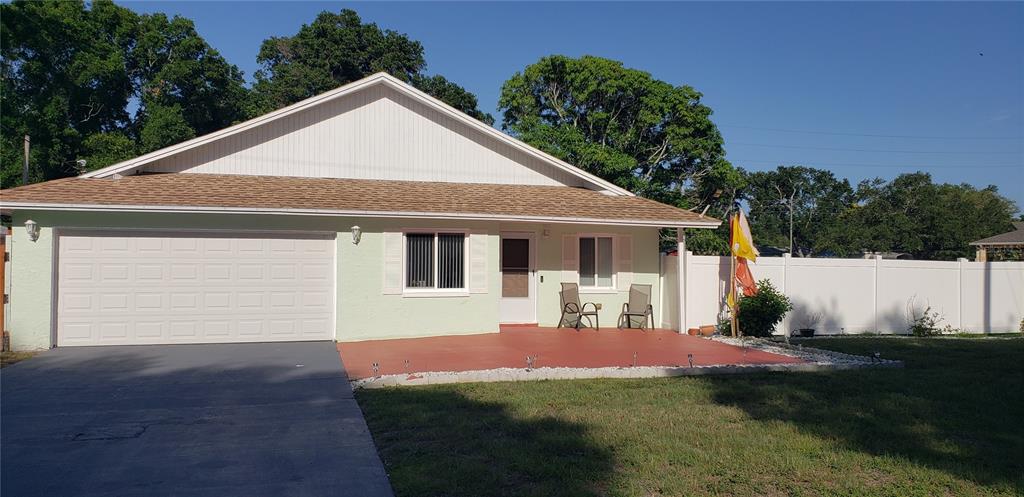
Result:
pixel 884 88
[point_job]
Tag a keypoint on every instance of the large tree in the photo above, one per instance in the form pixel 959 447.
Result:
pixel 184 85
pixel 71 71
pixel 340 48
pixel 802 199
pixel 646 135
pixel 65 78
pixel 912 214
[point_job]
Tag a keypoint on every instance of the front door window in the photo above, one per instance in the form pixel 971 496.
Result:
pixel 515 267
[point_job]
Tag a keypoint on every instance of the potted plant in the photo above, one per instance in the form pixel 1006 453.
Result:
pixel 807 323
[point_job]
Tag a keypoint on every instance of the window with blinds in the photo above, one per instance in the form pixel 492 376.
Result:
pixel 596 262
pixel 435 260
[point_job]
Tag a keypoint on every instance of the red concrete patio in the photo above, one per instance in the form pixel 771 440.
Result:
pixel 552 347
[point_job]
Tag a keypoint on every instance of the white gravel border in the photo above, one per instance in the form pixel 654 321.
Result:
pixel 809 354
pixel 817 360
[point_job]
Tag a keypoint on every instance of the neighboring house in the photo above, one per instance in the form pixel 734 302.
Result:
pixel 1011 240
pixel 370 211
pixel 888 255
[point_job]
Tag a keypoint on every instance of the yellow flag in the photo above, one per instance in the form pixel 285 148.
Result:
pixel 742 242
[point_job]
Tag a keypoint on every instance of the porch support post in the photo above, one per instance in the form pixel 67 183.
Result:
pixel 681 266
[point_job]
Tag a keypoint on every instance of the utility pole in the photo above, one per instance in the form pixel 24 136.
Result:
pixel 789 203
pixel 791 226
pixel 24 165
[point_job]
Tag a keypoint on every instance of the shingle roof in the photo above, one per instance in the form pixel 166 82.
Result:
pixel 237 193
pixel 1015 237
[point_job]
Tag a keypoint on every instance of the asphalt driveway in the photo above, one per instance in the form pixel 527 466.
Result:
pixel 238 419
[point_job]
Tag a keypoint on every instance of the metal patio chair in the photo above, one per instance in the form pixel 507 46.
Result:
pixel 572 308
pixel 639 306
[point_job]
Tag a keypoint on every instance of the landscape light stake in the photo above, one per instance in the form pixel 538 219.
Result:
pixel 529 362
pixel 634 359
pixel 376 370
pixel 689 357
pixel 407 366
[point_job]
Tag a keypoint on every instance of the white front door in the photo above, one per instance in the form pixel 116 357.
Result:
pixel 141 287
pixel 518 300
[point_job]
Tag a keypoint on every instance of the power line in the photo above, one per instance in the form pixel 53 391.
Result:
pixel 871 149
pixel 916 137
pixel 916 166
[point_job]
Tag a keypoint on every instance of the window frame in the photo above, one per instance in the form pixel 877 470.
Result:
pixel 579 263
pixel 434 291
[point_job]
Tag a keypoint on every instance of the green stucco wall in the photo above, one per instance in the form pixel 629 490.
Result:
pixel 363 311
pixel 31 287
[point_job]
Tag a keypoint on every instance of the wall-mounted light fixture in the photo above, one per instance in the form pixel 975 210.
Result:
pixel 357 234
pixel 32 228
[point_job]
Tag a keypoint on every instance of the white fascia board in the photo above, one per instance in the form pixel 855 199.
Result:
pixel 379 78
pixel 8 207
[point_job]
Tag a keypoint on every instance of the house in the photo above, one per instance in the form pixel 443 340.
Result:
pixel 1011 240
pixel 371 211
pixel 888 255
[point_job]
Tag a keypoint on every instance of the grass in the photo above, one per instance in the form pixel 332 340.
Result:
pixel 7 357
pixel 950 423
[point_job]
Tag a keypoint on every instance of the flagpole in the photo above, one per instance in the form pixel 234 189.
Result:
pixel 734 315
pixel 741 242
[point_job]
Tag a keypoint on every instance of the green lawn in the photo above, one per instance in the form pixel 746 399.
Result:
pixel 950 423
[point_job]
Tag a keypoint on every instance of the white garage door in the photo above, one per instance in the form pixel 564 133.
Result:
pixel 125 288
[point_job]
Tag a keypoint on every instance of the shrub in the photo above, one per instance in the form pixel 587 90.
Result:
pixel 725 327
pixel 923 324
pixel 760 313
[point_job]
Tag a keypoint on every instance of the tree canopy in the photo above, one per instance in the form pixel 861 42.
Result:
pixel 912 214
pixel 71 71
pixel 336 49
pixel 817 198
pixel 621 124
pixel 909 214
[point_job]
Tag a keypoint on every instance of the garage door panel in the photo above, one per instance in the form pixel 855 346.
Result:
pixel 123 288
pixel 150 272
pixel 150 330
pixel 78 332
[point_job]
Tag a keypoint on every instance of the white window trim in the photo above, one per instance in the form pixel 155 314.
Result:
pixel 615 274
pixel 435 292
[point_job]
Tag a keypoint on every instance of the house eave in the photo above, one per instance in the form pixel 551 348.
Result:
pixel 9 207
pixel 996 244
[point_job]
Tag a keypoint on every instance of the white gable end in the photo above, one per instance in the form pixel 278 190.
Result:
pixel 377 132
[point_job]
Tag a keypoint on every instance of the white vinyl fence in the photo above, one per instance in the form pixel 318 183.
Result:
pixel 858 295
